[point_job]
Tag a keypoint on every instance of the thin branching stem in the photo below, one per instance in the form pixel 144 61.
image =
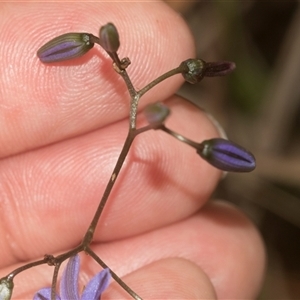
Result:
pixel 192 70
pixel 130 137
pixel 15 272
pixel 120 67
pixel 158 80
pixel 90 232
pixel 179 137
pixel 54 281
pixel 146 128
pixel 134 99
pixel 133 294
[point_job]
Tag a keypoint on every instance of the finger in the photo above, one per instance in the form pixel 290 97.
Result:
pixel 219 240
pixel 41 104
pixel 171 278
pixel 50 195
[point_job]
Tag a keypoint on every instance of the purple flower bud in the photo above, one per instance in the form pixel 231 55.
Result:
pixel 218 68
pixel 156 112
pixel 226 155
pixel 65 47
pixel 109 38
pixel 196 69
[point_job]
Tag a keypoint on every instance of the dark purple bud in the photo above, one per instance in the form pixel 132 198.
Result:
pixel 226 155
pixel 65 47
pixel 219 68
pixel 156 112
pixel 196 69
pixel 109 38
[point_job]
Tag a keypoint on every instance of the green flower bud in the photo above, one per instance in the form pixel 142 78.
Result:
pixel 109 38
pixel 6 288
pixel 195 70
pixel 65 47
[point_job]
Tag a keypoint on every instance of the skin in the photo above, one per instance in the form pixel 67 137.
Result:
pixel 63 127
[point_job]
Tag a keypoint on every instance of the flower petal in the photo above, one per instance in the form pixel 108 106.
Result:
pixel 44 294
pixel 96 285
pixel 69 281
pixel 219 68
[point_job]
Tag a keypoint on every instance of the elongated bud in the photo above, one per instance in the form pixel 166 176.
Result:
pixel 65 47
pixel 109 38
pixel 219 68
pixel 156 112
pixel 196 69
pixel 226 155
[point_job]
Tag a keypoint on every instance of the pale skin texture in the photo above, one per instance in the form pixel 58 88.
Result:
pixel 63 127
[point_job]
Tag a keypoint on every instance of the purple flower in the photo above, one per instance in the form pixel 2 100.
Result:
pixel 226 155
pixel 65 47
pixel 69 284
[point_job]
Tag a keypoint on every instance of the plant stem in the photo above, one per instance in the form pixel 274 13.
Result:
pixel 11 275
pixel 160 79
pixel 54 281
pixel 134 98
pixel 90 232
pixel 113 274
pixel 179 137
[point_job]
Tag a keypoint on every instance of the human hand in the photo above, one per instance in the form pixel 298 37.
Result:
pixel 63 128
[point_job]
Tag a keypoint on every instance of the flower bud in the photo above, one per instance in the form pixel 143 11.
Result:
pixel 226 155
pixel 6 287
pixel 65 47
pixel 194 70
pixel 109 38
pixel 219 68
pixel 156 112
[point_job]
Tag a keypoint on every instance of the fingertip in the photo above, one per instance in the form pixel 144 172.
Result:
pixel 172 278
pixel 243 255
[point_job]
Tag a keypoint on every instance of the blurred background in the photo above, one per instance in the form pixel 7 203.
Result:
pixel 259 107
